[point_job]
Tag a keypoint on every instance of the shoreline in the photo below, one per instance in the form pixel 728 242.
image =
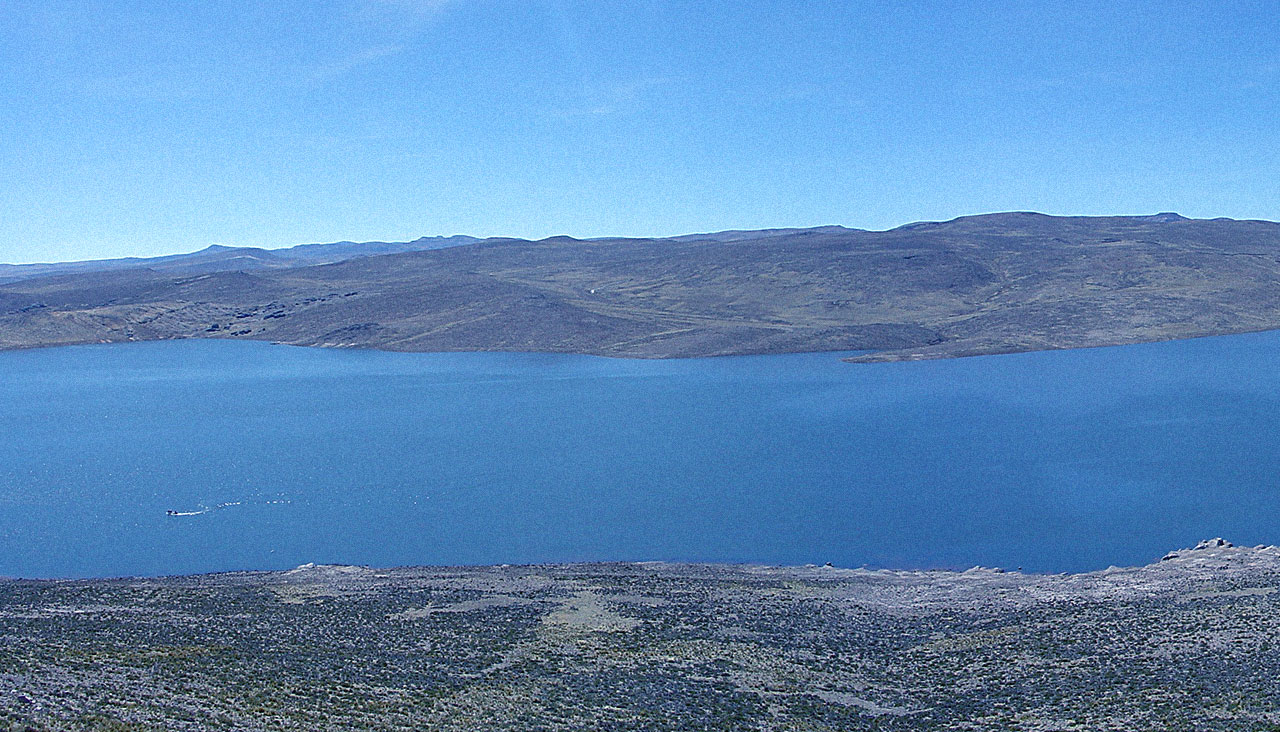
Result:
pixel 940 352
pixel 827 571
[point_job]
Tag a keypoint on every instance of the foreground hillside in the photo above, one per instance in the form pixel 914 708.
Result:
pixel 982 284
pixel 1189 643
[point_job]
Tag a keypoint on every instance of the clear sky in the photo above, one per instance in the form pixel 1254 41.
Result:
pixel 146 127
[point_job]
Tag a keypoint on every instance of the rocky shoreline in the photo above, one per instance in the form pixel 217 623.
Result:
pixel 1189 642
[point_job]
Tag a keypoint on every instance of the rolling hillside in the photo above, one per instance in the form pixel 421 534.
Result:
pixel 979 284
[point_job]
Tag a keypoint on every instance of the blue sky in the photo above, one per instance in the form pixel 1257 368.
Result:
pixel 139 127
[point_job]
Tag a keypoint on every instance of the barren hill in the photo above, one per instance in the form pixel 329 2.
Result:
pixel 979 284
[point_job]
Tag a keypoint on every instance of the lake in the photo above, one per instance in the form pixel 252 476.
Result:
pixel 272 456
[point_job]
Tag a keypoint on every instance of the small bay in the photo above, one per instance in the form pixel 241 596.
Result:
pixel 199 456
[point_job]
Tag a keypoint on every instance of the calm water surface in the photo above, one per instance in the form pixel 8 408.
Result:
pixel 1053 461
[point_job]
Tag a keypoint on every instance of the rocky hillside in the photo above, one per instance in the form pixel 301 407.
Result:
pixel 1188 643
pixel 981 284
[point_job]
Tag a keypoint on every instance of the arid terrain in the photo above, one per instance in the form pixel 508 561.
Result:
pixel 981 284
pixel 1191 642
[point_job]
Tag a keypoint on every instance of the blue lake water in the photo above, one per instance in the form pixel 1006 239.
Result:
pixel 1067 460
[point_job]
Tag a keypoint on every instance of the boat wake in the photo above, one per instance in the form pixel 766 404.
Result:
pixel 219 507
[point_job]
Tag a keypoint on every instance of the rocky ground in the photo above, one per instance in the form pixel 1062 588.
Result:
pixel 1191 642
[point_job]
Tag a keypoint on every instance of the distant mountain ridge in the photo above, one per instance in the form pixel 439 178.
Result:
pixel 990 283
pixel 218 258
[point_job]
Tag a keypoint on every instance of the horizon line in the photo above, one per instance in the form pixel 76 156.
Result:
pixel 218 245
